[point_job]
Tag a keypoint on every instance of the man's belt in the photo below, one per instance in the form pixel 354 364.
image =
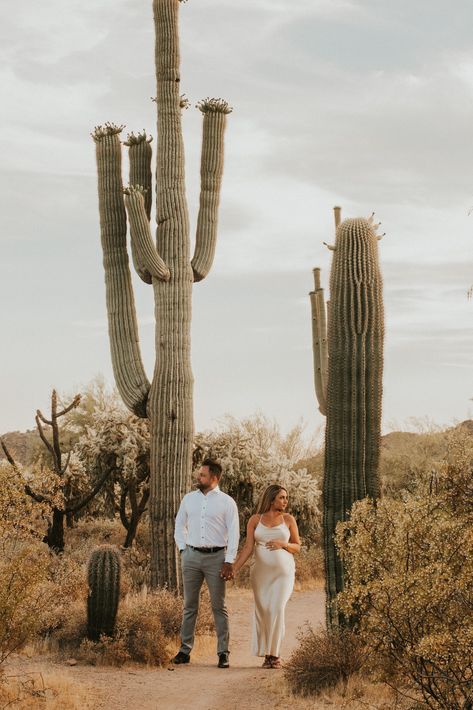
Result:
pixel 206 549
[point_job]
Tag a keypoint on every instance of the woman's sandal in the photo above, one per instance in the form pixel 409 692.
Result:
pixel 275 662
pixel 267 663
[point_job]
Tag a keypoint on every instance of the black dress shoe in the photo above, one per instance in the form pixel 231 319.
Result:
pixel 223 661
pixel 181 657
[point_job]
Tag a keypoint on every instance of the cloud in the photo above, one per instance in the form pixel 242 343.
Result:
pixel 336 102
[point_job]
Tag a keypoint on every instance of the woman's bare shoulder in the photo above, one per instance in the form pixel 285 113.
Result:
pixel 289 519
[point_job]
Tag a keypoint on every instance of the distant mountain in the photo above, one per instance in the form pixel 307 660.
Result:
pixel 21 445
pixel 396 439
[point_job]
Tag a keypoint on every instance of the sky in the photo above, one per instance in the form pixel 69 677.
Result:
pixel 367 104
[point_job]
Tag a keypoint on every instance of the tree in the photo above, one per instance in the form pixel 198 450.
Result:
pixel 120 442
pixel 59 480
pixel 254 454
pixel 168 400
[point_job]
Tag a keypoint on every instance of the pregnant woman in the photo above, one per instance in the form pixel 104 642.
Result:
pixel 273 536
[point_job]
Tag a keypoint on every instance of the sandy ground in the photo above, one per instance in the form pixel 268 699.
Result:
pixel 199 685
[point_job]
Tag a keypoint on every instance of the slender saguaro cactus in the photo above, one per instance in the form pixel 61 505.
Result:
pixel 348 357
pixel 103 574
pixel 167 265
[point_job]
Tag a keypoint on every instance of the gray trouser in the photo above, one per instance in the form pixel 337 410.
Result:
pixel 197 566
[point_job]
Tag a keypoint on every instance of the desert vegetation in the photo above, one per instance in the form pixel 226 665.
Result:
pixel 407 596
pixel 407 557
pixel 94 600
pixel 88 565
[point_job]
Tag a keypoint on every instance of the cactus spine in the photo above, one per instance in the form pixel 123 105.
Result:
pixel 349 385
pixel 104 592
pixel 166 264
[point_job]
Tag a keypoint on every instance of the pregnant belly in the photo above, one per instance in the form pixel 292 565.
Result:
pixel 276 559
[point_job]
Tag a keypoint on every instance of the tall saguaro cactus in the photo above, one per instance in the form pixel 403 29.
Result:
pixel 348 358
pixel 167 265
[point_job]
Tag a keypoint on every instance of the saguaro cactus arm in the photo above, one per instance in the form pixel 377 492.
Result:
pixel 128 369
pixel 319 342
pixel 139 155
pixel 170 175
pixel 146 253
pixel 211 169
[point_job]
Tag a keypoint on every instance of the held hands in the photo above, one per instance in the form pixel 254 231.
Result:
pixel 227 571
pixel 276 545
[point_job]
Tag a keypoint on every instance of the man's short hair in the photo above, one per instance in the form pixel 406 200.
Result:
pixel 213 466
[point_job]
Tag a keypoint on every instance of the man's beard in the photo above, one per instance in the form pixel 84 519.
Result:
pixel 202 486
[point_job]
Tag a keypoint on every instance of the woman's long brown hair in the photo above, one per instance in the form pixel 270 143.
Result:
pixel 267 497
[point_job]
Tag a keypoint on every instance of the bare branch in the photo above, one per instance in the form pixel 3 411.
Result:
pixel 74 508
pixel 75 403
pixel 36 496
pixel 123 516
pixel 9 457
pixel 43 436
pixel 64 468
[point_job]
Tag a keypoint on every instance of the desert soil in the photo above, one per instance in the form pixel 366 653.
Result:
pixel 199 685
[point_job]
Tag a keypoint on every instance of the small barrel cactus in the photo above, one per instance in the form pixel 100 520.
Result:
pixel 104 592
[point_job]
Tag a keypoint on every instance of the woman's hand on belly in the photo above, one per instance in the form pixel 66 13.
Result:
pixel 276 545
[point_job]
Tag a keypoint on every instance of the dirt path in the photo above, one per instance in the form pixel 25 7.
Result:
pixel 201 685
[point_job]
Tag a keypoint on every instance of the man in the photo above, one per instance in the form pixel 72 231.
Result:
pixel 207 532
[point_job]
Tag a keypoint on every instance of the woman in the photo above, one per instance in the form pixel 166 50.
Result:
pixel 274 537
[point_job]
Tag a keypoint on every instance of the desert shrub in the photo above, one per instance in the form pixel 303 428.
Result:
pixel 23 576
pixel 90 532
pixel 324 659
pixel 309 566
pixel 140 628
pixel 136 568
pixel 35 590
pixel 32 580
pixel 66 586
pixel 148 624
pixel 70 633
pixel 254 454
pixel 409 565
pixel 107 651
pixel 53 690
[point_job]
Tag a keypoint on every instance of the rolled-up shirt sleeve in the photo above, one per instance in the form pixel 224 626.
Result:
pixel 180 527
pixel 233 528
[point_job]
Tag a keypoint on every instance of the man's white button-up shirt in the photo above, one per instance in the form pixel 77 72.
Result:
pixel 209 520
